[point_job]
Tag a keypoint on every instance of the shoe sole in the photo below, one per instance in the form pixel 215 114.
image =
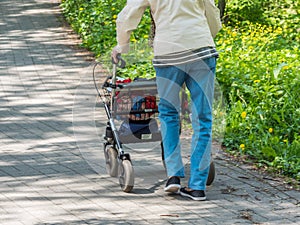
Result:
pixel 192 197
pixel 172 188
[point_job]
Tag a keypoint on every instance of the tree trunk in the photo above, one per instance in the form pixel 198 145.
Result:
pixel 222 6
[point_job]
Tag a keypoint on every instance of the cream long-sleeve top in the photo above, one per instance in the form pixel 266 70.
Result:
pixel 181 25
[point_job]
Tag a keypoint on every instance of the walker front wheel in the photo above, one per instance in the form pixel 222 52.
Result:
pixel 126 175
pixel 111 159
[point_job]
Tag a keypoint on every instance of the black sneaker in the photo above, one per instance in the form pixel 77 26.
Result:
pixel 197 195
pixel 173 184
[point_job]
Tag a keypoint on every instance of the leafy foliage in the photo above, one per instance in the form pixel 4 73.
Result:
pixel 95 21
pixel 258 71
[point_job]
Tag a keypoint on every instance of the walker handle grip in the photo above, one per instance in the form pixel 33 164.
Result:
pixel 121 62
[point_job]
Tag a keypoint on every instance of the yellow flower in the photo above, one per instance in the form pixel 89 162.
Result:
pixel 242 146
pixel 285 140
pixel 146 36
pixel 285 67
pixel 243 115
pixel 115 16
pixel 279 30
pixel 113 8
pixel 256 81
pixel 271 130
pixel 80 9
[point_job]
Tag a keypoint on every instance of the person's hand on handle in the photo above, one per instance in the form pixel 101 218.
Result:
pixel 115 55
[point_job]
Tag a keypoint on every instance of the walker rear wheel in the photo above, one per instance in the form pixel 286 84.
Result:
pixel 211 174
pixel 126 175
pixel 111 159
pixel 162 154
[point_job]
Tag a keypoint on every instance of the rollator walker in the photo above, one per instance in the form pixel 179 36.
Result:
pixel 134 103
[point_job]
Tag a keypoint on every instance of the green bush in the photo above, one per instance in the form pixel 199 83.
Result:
pixel 258 71
pixel 94 21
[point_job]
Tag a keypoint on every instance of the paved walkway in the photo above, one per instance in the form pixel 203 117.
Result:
pixel 51 159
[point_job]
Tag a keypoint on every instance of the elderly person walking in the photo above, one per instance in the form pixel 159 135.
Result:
pixel 184 53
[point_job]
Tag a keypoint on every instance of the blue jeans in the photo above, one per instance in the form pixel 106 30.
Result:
pixel 199 79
